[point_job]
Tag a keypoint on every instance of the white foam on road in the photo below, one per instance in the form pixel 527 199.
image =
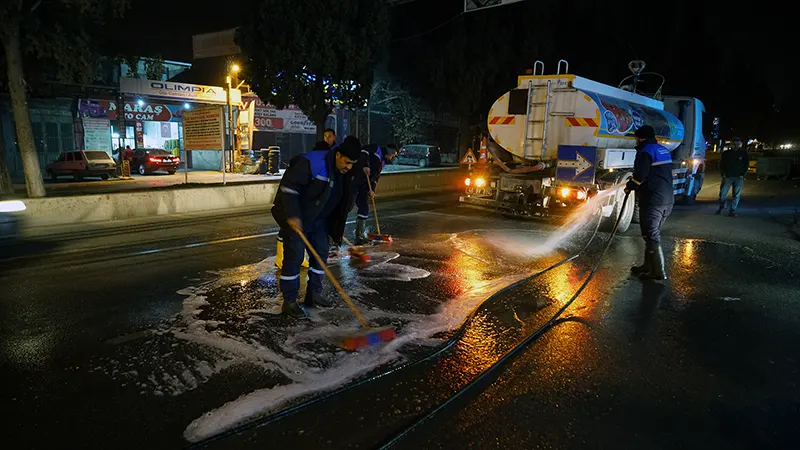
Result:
pixel 298 355
pixel 348 367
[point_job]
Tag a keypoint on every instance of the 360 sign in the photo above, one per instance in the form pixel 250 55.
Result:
pixel 268 123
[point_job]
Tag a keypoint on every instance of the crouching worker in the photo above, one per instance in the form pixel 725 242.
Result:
pixel 312 197
pixel 321 145
pixel 368 170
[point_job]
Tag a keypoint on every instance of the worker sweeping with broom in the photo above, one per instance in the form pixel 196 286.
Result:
pixel 368 171
pixel 313 199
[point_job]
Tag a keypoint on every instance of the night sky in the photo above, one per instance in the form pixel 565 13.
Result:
pixel 738 59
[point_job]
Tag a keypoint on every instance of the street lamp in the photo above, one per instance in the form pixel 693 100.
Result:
pixel 233 69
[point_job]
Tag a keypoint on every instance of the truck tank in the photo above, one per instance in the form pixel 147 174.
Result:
pixel 578 111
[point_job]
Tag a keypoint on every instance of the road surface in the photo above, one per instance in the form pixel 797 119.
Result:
pixel 163 334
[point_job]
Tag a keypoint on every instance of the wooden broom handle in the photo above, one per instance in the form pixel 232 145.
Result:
pixel 335 283
pixel 374 209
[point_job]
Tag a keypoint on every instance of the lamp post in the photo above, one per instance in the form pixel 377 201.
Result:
pixel 234 69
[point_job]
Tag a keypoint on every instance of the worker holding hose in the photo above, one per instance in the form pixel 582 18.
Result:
pixel 652 181
pixel 368 170
pixel 313 197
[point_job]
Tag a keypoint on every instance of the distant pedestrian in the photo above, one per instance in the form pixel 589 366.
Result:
pixel 652 182
pixel 733 167
pixel 329 136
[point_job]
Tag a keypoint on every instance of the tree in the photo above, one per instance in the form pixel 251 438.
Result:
pixel 408 112
pixel 50 40
pixel 464 64
pixel 315 54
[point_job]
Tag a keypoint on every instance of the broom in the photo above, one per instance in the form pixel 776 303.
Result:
pixel 356 252
pixel 372 236
pixel 368 336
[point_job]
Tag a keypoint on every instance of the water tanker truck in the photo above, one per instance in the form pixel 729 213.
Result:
pixel 556 141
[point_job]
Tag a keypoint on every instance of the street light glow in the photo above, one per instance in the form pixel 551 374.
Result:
pixel 235 68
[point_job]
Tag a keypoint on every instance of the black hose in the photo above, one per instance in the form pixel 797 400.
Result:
pixel 266 420
pixel 521 346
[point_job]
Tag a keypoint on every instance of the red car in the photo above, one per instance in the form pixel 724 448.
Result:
pixel 80 164
pixel 148 160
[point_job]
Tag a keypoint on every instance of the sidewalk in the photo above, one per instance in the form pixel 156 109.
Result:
pixel 67 187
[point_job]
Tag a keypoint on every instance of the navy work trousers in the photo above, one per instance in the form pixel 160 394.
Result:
pixel 293 253
pixel 651 219
pixel 362 202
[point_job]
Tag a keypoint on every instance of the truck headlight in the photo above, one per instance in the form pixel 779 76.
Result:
pixel 480 182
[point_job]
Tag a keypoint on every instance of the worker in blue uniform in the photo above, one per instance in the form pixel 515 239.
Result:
pixel 368 171
pixel 652 182
pixel 313 196
pixel 321 145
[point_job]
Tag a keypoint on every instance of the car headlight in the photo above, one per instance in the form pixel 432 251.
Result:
pixel 10 206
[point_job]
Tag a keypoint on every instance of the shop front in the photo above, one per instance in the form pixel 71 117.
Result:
pixel 154 117
pixel 288 128
pixel 148 124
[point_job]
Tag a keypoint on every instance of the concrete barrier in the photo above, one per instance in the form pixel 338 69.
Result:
pixel 137 204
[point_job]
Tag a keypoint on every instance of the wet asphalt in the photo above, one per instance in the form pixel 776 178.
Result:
pixel 129 337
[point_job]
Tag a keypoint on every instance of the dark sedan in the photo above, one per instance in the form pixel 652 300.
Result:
pixel 153 160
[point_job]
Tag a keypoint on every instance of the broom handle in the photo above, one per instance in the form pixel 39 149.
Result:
pixel 335 283
pixel 348 242
pixel 374 209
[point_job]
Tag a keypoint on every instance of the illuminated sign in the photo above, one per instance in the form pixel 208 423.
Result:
pixel 179 91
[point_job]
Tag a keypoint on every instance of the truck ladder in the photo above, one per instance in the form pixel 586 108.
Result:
pixel 536 119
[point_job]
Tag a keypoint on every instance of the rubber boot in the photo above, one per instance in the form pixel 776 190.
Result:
pixel 657 266
pixel 292 309
pixel 316 300
pixel 279 257
pixel 361 232
pixel 645 267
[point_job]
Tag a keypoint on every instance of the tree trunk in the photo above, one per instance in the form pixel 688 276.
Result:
pixel 6 186
pixel 22 117
pixel 319 119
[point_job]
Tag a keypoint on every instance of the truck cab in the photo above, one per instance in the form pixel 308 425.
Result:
pixel 690 156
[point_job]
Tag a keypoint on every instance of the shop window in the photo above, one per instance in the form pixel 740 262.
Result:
pixel 52 138
pixel 67 137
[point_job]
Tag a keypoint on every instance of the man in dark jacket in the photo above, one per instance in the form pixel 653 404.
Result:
pixel 312 197
pixel 652 182
pixel 329 136
pixel 733 167
pixel 368 170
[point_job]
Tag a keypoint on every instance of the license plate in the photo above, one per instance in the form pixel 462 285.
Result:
pixel 479 191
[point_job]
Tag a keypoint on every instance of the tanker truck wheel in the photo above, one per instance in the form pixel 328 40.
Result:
pixel 607 223
pixel 690 198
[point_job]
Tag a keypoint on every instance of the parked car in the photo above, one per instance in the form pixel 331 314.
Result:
pixel 150 160
pixel 84 163
pixel 419 155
